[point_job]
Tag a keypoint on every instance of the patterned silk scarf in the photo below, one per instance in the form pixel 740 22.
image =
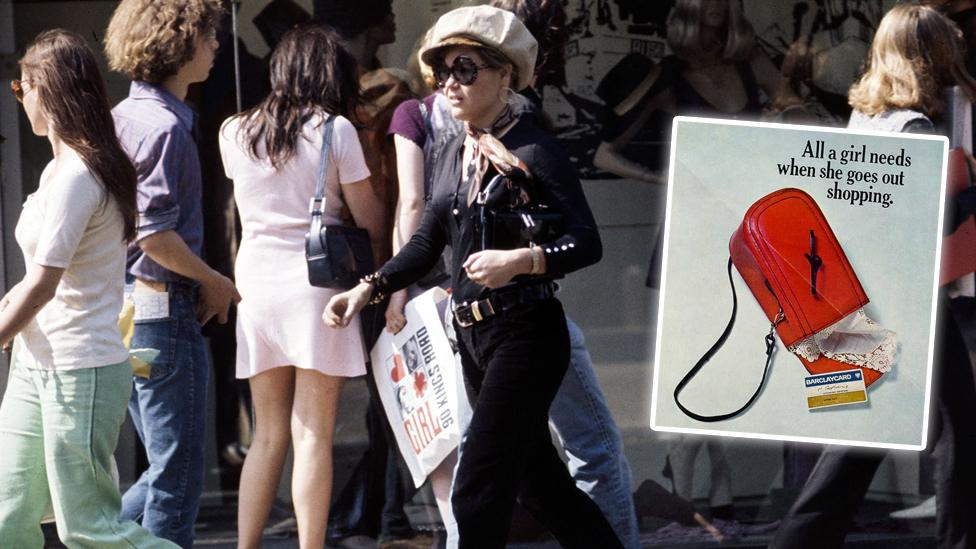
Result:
pixel 488 149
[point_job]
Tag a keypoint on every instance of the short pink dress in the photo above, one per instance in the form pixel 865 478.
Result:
pixel 279 318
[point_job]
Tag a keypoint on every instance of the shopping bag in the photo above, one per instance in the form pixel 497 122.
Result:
pixel 419 382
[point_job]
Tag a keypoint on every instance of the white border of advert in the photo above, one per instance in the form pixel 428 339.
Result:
pixel 659 393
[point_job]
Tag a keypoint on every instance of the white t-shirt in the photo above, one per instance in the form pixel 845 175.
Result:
pixel 70 223
pixel 273 201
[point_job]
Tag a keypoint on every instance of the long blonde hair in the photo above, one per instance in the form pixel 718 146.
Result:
pixel 915 53
pixel 684 31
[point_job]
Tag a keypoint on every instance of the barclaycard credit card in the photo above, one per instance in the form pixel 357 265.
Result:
pixel 835 389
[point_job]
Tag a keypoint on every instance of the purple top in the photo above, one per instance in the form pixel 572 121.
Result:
pixel 408 122
pixel 155 129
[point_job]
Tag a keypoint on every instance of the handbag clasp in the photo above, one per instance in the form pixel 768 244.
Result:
pixel 315 205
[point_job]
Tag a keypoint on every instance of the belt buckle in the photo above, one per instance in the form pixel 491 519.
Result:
pixel 461 322
pixel 476 311
pixel 491 308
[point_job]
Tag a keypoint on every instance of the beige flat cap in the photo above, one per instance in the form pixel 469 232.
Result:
pixel 486 26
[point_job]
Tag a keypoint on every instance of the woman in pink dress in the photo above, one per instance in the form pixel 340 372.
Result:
pixel 294 363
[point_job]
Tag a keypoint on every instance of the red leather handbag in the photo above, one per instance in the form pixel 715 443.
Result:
pixel 796 269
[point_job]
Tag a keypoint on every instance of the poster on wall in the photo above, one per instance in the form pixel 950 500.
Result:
pixel 601 34
pixel 819 46
pixel 800 282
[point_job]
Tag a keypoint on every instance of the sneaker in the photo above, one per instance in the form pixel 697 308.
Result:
pixel 924 510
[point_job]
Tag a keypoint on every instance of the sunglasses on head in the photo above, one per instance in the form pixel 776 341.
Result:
pixel 17 87
pixel 463 69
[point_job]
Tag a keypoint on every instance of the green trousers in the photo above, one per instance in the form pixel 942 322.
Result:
pixel 58 431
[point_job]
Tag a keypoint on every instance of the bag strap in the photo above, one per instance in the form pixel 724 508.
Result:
pixel 770 345
pixel 317 206
pixel 323 163
pixel 428 146
pixel 426 114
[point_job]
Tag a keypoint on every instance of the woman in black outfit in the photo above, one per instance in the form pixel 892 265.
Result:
pixel 512 332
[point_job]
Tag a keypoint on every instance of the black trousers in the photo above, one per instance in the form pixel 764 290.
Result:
pixel 826 507
pixel 513 365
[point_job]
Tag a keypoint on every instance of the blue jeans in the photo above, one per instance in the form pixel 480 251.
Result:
pixel 169 412
pixel 592 442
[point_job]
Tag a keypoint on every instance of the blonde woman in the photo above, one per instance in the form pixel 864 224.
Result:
pixel 512 334
pixel 916 53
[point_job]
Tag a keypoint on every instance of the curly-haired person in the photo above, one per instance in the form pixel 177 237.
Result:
pixel 164 46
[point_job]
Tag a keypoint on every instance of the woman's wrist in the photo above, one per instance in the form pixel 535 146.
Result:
pixel 372 285
pixel 521 262
pixel 533 262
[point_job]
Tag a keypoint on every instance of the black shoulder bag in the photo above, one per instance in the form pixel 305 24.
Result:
pixel 337 255
pixel 509 218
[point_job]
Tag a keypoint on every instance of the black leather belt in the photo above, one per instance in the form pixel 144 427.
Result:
pixel 471 312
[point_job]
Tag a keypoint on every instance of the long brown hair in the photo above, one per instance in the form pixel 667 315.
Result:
pixel 72 94
pixel 310 73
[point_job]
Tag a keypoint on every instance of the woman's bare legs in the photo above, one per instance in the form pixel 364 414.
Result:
pixel 313 417
pixel 272 392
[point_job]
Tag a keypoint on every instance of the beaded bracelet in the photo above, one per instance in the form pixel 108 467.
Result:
pixel 373 279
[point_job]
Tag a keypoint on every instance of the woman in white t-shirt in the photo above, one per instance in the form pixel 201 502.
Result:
pixel 70 377
pixel 295 365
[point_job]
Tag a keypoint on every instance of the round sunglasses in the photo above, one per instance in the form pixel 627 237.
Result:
pixel 463 69
pixel 17 87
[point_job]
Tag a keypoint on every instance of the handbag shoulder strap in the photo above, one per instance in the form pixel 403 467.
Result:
pixel 429 147
pixel 426 115
pixel 317 205
pixel 319 199
pixel 770 345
